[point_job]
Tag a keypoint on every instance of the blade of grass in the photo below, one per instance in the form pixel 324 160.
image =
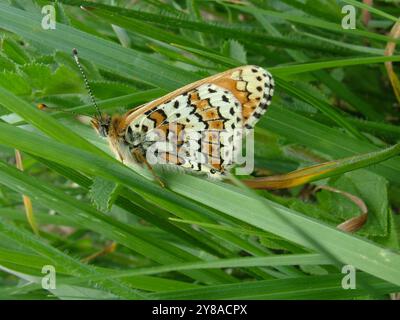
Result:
pixel 390 48
pixel 255 211
pixel 323 170
pixel 325 139
pixel 92 219
pixel 336 86
pixel 347 248
pixel 278 260
pixel 372 10
pixel 307 67
pixel 126 18
pixel 45 122
pixel 302 288
pixel 313 22
pixel 14 104
pixel 55 257
pixel 108 55
pixel 320 105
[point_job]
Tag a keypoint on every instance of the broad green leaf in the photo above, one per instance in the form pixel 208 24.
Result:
pixel 6 64
pixel 37 74
pixel 15 82
pixel 103 193
pixel 14 51
pixel 235 50
pixel 369 187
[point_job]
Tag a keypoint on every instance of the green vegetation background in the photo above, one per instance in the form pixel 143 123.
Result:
pixel 111 232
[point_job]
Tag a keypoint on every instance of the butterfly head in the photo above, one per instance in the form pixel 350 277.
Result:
pixel 102 124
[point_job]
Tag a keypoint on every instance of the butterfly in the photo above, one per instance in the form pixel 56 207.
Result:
pixel 195 127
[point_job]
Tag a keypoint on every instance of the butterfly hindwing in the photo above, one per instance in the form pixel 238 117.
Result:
pixel 210 110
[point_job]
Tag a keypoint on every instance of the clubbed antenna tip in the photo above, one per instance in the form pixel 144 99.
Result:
pixel 42 106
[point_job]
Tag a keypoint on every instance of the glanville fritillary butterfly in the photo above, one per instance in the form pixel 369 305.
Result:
pixel 194 127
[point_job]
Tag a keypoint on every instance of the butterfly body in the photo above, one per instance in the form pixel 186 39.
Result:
pixel 194 127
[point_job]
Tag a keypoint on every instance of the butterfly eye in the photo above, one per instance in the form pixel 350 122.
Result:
pixel 104 130
pixel 129 135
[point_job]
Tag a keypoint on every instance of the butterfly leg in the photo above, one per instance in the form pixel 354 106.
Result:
pixel 211 172
pixel 138 155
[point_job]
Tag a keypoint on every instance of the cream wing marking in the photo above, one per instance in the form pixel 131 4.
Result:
pixel 235 99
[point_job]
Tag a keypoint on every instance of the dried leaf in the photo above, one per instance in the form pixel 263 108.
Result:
pixel 355 223
pixel 390 48
pixel 27 201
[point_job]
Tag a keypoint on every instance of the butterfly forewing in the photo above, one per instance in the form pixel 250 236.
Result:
pixel 194 127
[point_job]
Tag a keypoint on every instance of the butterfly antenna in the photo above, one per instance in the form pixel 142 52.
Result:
pixel 76 58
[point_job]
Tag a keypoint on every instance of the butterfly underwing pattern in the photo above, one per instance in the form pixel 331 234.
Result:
pixel 196 127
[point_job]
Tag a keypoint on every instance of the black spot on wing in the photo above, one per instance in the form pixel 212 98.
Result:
pixel 225 98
